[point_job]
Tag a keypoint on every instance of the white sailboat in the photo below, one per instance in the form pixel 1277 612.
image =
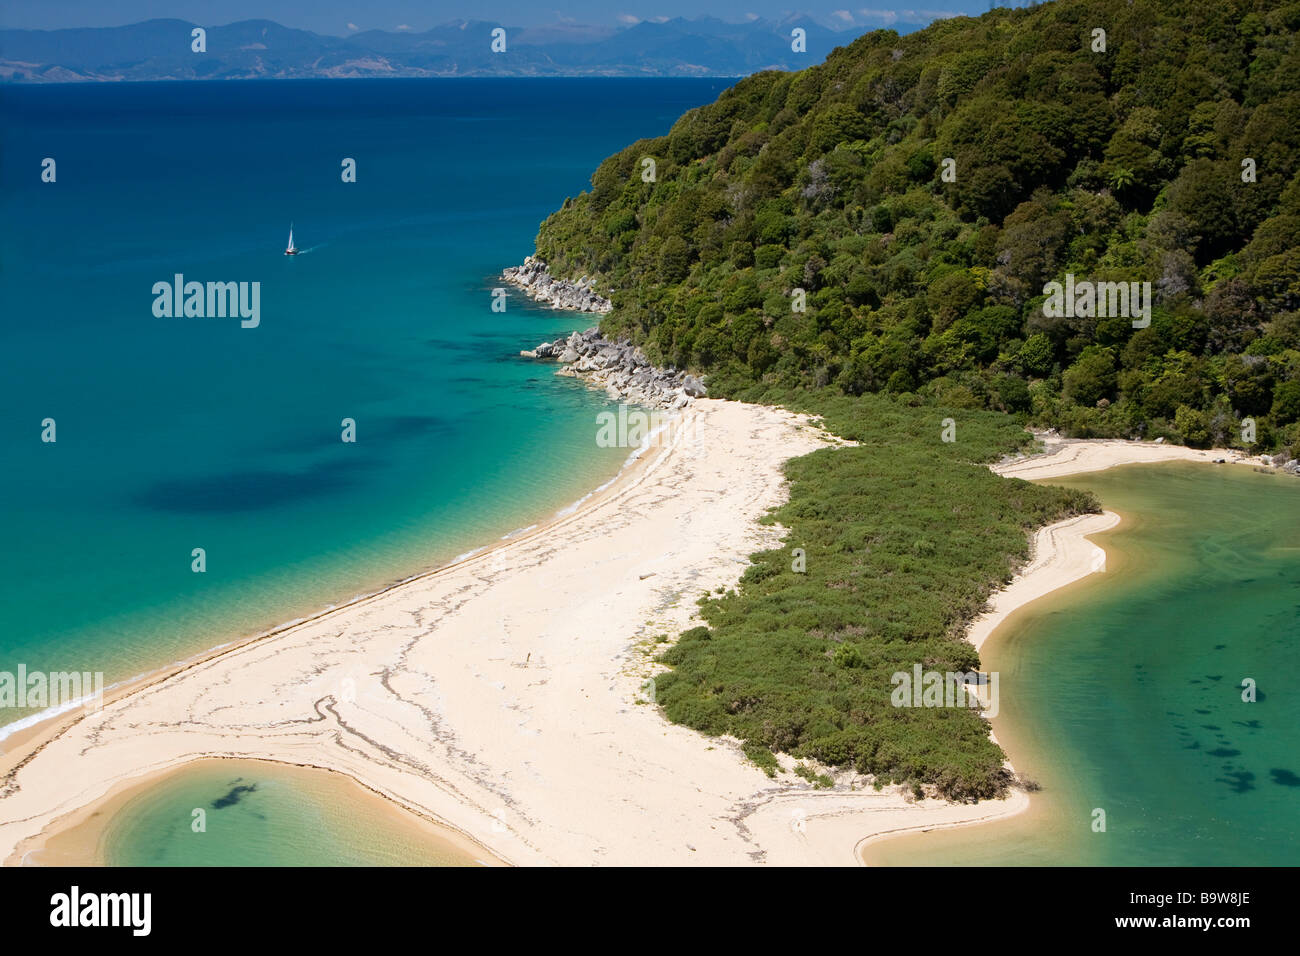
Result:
pixel 291 251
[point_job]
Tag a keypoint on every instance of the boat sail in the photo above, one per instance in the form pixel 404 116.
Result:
pixel 291 251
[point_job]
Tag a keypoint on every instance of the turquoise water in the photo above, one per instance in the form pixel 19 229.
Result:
pixel 183 433
pixel 243 813
pixel 1125 693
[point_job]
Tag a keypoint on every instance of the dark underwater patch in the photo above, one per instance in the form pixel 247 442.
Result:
pixel 246 491
pixel 1284 777
pixel 1239 781
pixel 324 435
pixel 233 797
pixel 408 426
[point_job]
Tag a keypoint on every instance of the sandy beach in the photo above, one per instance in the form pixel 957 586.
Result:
pixel 504 697
pixel 1075 456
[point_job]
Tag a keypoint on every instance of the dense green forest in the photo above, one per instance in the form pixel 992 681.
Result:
pixel 1123 165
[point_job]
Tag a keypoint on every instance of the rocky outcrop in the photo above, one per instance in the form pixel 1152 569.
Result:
pixel 621 369
pixel 1290 465
pixel 538 283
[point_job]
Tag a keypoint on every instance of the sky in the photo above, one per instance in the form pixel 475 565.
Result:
pixel 340 17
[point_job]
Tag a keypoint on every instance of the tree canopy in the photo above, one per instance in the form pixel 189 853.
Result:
pixel 922 189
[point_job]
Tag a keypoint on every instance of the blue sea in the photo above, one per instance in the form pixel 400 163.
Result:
pixel 176 434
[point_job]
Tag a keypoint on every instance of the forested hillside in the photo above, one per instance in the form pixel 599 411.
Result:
pixel 1124 165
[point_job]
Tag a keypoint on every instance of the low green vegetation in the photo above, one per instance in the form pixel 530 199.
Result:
pixel 820 780
pixel 904 539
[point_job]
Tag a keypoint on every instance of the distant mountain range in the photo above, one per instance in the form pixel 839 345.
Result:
pixel 261 49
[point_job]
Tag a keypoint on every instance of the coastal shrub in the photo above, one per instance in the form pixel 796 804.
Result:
pixel 905 537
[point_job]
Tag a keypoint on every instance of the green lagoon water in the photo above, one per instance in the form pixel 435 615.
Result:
pixel 255 814
pixel 1124 693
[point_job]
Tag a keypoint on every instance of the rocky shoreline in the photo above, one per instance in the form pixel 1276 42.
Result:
pixel 1281 463
pixel 538 283
pixel 621 369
